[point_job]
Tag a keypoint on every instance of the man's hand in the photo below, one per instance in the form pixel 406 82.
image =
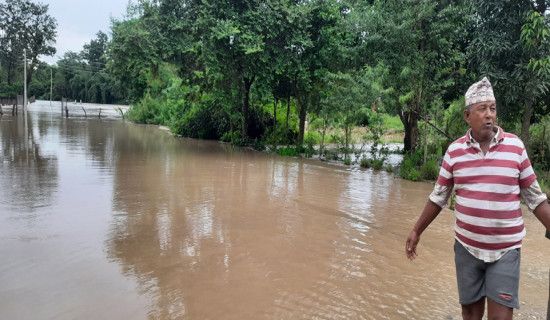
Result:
pixel 410 245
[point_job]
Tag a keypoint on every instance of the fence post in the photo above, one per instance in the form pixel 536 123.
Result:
pixel 63 100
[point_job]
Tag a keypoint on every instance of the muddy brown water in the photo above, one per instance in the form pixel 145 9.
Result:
pixel 105 219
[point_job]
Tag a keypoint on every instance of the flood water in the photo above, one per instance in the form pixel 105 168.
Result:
pixel 105 219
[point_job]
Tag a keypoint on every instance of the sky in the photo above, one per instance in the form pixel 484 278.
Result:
pixel 78 22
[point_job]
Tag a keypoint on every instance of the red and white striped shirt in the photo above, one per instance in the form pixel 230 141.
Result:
pixel 488 215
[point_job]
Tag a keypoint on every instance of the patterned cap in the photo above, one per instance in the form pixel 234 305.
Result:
pixel 479 92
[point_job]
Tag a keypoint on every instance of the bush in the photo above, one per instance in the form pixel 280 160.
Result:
pixel 455 125
pixel 258 145
pixel 347 161
pixel 429 170
pixel 226 137
pixel 365 163
pixel 413 175
pixel 146 110
pixel 310 142
pixel 288 151
pixel 376 164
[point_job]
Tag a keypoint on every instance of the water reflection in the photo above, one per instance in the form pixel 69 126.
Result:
pixel 29 175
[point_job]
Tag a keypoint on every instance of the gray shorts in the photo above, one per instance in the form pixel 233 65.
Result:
pixel 498 281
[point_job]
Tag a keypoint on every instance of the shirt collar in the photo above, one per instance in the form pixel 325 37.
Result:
pixel 499 136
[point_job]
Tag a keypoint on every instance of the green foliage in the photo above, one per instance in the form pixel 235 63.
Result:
pixel 395 31
pixel 511 48
pixel 310 140
pixel 146 110
pixel 226 137
pixel 455 124
pixel 429 170
pixel 347 161
pixel 10 91
pixel 410 164
pixel 391 123
pixel 376 164
pixel 413 175
pixel 540 144
pixel 25 25
pixel 289 151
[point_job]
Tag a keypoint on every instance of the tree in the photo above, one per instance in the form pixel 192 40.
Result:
pixel 510 48
pixel 26 25
pixel 421 44
pixel 313 47
pixel 352 97
pixel 94 52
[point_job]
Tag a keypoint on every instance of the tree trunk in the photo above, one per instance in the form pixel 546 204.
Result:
pixel 410 123
pixel 275 114
pixel 526 123
pixel 288 110
pixel 10 68
pixel 425 138
pixel 247 82
pixel 302 117
pixel 322 146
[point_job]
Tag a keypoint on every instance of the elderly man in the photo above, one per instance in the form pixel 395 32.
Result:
pixel 490 172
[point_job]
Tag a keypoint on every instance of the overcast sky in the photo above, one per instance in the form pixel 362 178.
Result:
pixel 78 21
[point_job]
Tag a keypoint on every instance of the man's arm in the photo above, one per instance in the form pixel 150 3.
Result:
pixel 542 212
pixel 430 212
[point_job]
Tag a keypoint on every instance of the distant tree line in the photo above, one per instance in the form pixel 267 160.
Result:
pixel 27 26
pixel 264 71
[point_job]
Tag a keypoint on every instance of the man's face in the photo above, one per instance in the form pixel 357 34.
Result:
pixel 482 117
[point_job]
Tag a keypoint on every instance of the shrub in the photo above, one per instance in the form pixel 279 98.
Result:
pixel 226 137
pixel 258 145
pixel 413 175
pixel 377 164
pixel 364 163
pixel 347 161
pixel 288 151
pixel 310 142
pixel 429 170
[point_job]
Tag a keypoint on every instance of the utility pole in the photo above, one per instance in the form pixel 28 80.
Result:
pixel 25 80
pixel 51 85
pixel 25 103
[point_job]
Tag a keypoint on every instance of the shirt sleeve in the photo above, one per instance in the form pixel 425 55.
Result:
pixel 441 194
pixel 532 195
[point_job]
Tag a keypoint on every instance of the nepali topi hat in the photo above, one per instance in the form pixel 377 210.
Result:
pixel 479 92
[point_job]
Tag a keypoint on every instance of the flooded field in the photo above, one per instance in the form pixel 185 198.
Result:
pixel 105 219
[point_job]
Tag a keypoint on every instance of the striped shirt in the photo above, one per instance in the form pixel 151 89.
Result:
pixel 488 217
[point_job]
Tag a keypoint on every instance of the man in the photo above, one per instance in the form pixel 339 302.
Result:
pixel 490 172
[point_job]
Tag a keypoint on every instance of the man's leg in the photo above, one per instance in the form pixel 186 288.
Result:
pixel 497 311
pixel 474 311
